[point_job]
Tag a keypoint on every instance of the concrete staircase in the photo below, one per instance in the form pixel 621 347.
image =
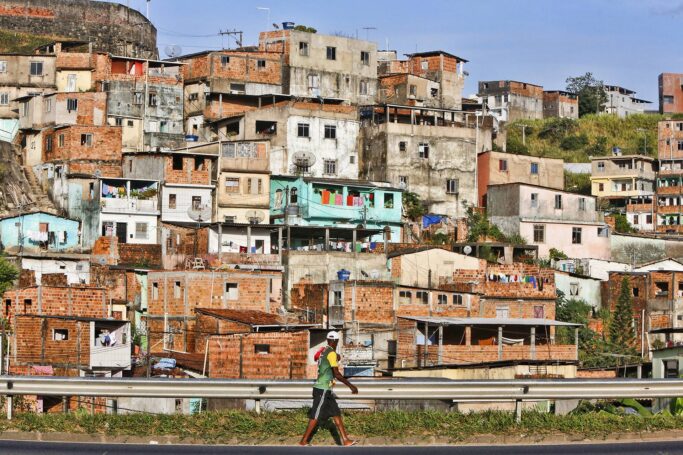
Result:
pixel 37 195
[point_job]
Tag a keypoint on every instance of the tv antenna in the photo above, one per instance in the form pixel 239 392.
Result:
pixel 367 32
pixel 236 34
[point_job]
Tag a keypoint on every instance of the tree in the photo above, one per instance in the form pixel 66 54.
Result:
pixel 591 93
pixel 413 207
pixel 8 273
pixel 621 326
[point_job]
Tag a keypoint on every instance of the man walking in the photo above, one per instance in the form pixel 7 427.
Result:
pixel 324 403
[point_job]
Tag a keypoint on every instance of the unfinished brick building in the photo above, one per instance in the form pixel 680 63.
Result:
pixel 512 100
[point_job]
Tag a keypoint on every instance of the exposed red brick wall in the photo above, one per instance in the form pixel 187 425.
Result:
pixel 144 255
pixel 374 302
pixel 75 300
pixel 53 279
pixel 35 344
pixel 188 174
pixel 106 143
pixel 209 326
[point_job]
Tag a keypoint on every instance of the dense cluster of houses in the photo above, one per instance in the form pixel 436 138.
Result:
pixel 223 210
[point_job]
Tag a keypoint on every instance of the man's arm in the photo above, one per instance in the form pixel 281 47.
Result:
pixel 340 377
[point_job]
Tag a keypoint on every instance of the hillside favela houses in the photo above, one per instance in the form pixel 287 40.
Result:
pixel 214 214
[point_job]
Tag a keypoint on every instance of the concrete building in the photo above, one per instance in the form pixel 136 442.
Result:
pixel 129 210
pixel 429 79
pixel 561 104
pixel 330 202
pixel 622 102
pixel 75 65
pixel 187 177
pixel 579 287
pixel 669 198
pixel 22 75
pixel 619 178
pixel 306 138
pixel 494 168
pixel 74 266
pixel 324 66
pixel 39 231
pixel 429 152
pixel 145 99
pixel 426 267
pixel 508 101
pixel 670 93
pixel 550 218
pixel 243 194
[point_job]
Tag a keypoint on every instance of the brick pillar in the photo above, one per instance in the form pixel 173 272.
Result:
pixel 468 335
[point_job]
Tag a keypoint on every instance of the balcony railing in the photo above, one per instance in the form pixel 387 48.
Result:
pixel 110 356
pixel 129 205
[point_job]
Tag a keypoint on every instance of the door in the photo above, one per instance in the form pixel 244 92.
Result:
pixel 71 83
pixel 122 232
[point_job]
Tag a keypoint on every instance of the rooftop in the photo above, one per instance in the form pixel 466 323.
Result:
pixel 434 53
pixel 250 317
pixel 531 322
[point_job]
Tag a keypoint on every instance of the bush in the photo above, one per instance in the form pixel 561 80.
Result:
pixel 574 142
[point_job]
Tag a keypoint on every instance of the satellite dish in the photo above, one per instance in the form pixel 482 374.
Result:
pixel 173 50
pixel 467 249
pixel 255 216
pixel 303 159
pixel 200 214
pixel 277 27
pixel 402 185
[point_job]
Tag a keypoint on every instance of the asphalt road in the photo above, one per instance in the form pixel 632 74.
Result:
pixel 58 448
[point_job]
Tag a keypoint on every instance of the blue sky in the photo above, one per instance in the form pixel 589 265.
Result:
pixel 623 42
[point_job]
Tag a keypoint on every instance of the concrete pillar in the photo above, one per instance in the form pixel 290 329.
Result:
pixel 533 343
pixel 468 335
pixel 440 358
pixel 576 341
pixel 279 245
pixel 327 239
pixel 220 239
pixel 500 342
pixel 354 240
pixel 425 352
pixel 248 239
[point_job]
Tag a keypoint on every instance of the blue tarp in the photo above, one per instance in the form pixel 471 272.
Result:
pixel 428 220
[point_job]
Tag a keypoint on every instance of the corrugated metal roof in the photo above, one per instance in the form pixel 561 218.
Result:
pixel 490 321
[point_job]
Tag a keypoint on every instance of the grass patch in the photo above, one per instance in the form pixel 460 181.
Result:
pixel 21 43
pixel 247 427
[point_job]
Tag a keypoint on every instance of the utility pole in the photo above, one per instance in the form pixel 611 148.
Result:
pixel 148 348
pixel 234 34
pixel 524 127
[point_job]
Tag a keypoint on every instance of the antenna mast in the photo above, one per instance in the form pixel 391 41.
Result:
pixel 235 34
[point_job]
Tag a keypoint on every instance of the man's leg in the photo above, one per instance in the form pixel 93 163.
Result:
pixel 345 436
pixel 309 430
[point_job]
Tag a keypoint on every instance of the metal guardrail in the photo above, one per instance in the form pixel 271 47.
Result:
pixel 396 389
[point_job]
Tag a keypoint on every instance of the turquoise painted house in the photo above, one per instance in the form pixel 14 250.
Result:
pixel 39 231
pixel 336 203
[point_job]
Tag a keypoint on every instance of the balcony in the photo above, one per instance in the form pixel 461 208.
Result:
pixel 669 209
pixel 129 196
pixel 110 344
pixel 244 156
pixel 639 208
pixel 662 190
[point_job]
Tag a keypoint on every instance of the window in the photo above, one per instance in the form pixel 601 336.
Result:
pixel 198 163
pixel 422 296
pixel 661 288
pixel 402 146
pixel 434 92
pixel 539 233
pixel 261 349
pixel 176 290
pixel 4 99
pixel 423 150
pixel 225 60
pixel 601 187
pixel 48 104
pixel 60 140
pixel 365 57
pixel 118 121
pixel 331 53
pixel 254 186
pixel 137 98
pixel 36 68
pixel 330 132
pixel 670 368
pixel 648 219
pixel 141 231
pixel 582 203
pixel 237 88
pixel 576 235
pixel 405 297
pixel 412 91
pixel 3 66
pixel 60 334
pixel 260 64
pixel 442 299
pixel 177 162
pixel 603 231
pixel 558 201
pixel 635 219
pixel 424 64
pixel 635 292
pixel 232 185
pixel 502 312
pixel 363 88
pixel 503 165
pixel 48 144
pixel 331 167
pixel 265 127
pixel 403 181
pixel 534 168
pixel 86 139
pixel 193 97
pixel 155 291
pixel 196 202
pixel 302 130
pixel 352 159
pixel 152 100
pixel 601 166
pixel 573 288
pixel 534 200
pixel 303 48
pixel 172 201
pixel 452 186
pixel 129 123
pixel 538 312
pixel 457 299
pixel 24 110
pixel 71 104
pixel 231 291
pixel 294 196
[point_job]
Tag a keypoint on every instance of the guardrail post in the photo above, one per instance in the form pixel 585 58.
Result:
pixel 257 406
pixel 10 407
pixel 518 411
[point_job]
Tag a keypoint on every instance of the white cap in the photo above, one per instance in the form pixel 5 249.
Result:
pixel 332 335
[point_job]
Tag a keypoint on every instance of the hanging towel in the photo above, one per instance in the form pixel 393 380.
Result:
pixel 349 200
pixel 325 197
pixel 339 199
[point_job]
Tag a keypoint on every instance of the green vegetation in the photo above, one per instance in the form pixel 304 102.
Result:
pixel 304 28
pixel 621 325
pixel 413 207
pixel 577 183
pixel 591 135
pixel 479 228
pixel 21 43
pixel 8 273
pixel 621 224
pixel 591 93
pixel 286 427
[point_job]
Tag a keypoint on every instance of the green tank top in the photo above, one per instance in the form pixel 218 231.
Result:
pixel 325 374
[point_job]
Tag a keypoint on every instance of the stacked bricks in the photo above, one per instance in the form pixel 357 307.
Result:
pixel 374 302
pixel 236 356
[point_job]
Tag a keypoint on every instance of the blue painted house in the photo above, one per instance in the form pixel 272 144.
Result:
pixel 310 201
pixel 39 231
